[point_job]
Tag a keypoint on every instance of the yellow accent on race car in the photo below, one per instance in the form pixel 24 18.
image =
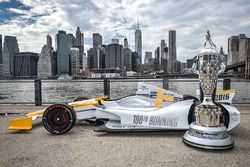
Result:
pixel 159 97
pixel 225 91
pixel 169 98
pixel 40 112
pixel 21 123
pixel 88 102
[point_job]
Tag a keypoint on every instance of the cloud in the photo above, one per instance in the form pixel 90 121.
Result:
pixel 117 18
pixel 1 1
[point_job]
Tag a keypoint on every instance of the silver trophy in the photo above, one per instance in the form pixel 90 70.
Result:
pixel 208 130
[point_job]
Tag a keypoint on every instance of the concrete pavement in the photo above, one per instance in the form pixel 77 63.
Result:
pixel 83 147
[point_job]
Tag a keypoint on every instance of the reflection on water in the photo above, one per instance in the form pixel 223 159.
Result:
pixel 55 91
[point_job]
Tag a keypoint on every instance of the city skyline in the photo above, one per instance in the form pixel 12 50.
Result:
pixel 32 20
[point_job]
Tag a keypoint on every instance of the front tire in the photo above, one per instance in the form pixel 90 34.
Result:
pixel 59 118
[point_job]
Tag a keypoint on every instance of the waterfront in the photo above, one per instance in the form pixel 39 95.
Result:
pixel 22 91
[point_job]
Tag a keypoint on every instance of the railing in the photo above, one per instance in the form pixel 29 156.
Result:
pixel 110 87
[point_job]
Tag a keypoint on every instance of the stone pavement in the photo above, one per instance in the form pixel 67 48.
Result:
pixel 83 147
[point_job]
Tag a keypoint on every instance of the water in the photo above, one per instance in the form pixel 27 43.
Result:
pixel 55 91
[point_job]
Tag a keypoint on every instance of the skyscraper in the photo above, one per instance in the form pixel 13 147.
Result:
pixel 10 49
pixel 171 50
pixel 74 60
pixel 148 57
pixel 79 43
pixel 71 41
pixel 25 64
pixel 1 51
pixel 127 54
pixel 63 53
pixel 162 53
pixel 237 49
pixel 138 43
pixel 114 56
pixel 157 59
pixel 115 41
pixel 49 41
pixel 135 61
pixel 97 40
pixel 125 45
pixel 96 57
pixel 46 60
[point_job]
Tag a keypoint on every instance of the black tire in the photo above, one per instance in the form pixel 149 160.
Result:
pixel 59 118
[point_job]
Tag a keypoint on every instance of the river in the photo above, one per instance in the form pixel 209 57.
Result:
pixel 22 91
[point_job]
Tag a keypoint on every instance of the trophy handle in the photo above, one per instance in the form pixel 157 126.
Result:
pixel 194 66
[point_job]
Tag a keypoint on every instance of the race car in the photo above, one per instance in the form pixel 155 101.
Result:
pixel 150 109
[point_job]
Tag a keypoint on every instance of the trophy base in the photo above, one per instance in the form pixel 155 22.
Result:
pixel 212 138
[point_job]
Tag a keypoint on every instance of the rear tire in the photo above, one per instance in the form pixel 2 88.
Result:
pixel 59 118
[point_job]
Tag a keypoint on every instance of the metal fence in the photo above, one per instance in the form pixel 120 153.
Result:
pixel 40 92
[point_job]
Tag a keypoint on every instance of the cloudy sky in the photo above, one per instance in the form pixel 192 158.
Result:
pixel 31 20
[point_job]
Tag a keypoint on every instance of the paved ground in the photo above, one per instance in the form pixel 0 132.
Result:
pixel 83 147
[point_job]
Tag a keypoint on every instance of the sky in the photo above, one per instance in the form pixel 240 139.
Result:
pixel 31 20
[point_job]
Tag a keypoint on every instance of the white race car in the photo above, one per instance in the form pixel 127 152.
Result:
pixel 151 109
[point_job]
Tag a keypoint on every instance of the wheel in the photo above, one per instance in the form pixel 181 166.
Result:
pixel 59 118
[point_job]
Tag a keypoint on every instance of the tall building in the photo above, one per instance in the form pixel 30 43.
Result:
pixel 74 60
pixel 237 49
pixel 96 57
pixel 138 42
pixel 177 67
pixel 189 63
pixel 49 41
pixel 84 63
pixel 162 52
pixel 97 40
pixel 135 61
pixel 171 50
pixel 157 59
pixel 114 57
pixel 63 53
pixel 1 50
pixel 79 43
pixel 247 68
pixel 127 53
pixel 183 66
pixel 147 57
pixel 46 60
pixel 71 41
pixel 164 64
pixel 115 41
pixel 125 45
pixel 10 49
pixel 25 64
pixel 238 52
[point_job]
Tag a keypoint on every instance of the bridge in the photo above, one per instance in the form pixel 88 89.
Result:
pixel 241 68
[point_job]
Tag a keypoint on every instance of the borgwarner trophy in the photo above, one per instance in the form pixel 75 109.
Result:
pixel 152 109
pixel 208 131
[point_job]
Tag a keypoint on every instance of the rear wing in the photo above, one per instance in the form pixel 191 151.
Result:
pixel 222 96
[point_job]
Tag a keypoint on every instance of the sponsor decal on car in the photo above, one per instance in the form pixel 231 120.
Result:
pixel 157 121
